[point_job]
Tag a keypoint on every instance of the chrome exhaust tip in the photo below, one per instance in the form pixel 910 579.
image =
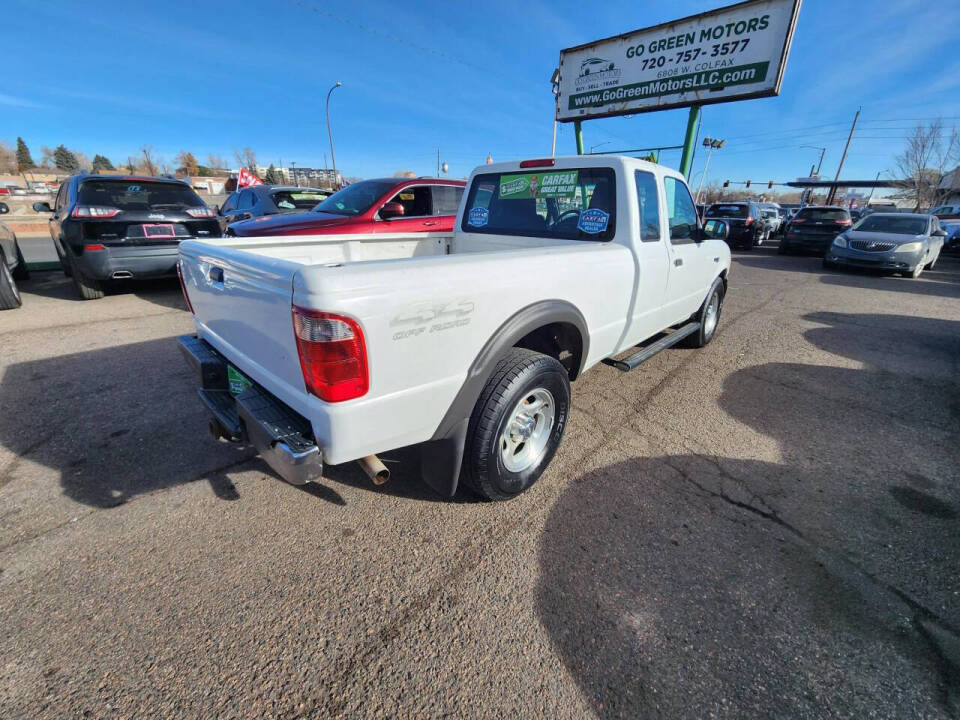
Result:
pixel 122 275
pixel 375 469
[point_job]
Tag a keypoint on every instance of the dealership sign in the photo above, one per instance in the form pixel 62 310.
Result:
pixel 728 54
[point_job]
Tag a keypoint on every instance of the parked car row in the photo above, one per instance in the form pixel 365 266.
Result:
pixel 110 228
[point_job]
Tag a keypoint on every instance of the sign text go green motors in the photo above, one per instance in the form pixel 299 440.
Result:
pixel 732 53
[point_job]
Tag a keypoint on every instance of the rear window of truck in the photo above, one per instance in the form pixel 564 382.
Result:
pixel 133 195
pixel 823 214
pixel 568 204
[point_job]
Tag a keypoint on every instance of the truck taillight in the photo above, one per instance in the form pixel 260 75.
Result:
pixel 183 287
pixel 333 355
pixel 750 219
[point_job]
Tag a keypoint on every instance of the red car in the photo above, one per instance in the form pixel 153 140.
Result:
pixel 387 205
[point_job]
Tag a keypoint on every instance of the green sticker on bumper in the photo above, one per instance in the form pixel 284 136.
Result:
pixel 238 383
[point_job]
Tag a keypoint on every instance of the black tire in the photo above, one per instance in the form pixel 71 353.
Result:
pixel 22 272
pixel 517 375
pixel 9 294
pixel 829 265
pixel 706 332
pixel 87 288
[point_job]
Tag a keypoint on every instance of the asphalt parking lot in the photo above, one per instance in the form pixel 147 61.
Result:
pixel 768 527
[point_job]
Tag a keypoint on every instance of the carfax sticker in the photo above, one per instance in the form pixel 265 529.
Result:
pixel 593 221
pixel 478 216
pixel 561 184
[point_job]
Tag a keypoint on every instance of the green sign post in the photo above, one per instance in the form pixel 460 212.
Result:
pixel 686 159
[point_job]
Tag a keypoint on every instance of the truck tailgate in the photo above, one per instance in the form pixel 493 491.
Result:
pixel 242 306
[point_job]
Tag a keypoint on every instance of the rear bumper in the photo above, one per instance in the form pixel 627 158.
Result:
pixel 816 243
pixel 281 436
pixel 130 261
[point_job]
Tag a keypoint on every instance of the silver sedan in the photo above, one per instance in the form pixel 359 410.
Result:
pixel 906 243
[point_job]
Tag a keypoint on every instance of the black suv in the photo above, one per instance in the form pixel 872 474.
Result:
pixel 112 227
pixel 748 229
pixel 814 227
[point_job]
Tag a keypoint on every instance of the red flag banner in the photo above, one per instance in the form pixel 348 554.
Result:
pixel 247 179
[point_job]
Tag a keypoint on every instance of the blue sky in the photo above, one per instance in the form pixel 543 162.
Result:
pixel 467 78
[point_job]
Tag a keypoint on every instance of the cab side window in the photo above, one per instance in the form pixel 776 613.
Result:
pixel 446 199
pixel 649 205
pixel 681 212
pixel 246 201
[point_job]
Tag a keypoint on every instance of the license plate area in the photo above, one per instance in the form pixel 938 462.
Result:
pixel 164 230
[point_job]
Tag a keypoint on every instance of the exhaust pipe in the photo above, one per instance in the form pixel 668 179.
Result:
pixel 374 469
pixel 122 275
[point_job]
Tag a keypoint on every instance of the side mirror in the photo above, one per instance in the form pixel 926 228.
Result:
pixel 391 210
pixel 716 229
pixel 938 233
pixel 4 208
pixel 42 207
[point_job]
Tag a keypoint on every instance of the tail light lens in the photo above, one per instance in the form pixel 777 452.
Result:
pixel 798 220
pixel 201 212
pixel 844 221
pixel 333 355
pixel 94 211
pixel 183 287
pixel 750 219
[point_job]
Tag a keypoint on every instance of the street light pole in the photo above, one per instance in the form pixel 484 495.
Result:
pixel 600 145
pixel 333 158
pixel 823 152
pixel 555 83
pixel 712 145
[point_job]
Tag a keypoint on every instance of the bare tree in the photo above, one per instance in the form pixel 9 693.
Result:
pixel 149 163
pixel 8 159
pixel 216 163
pixel 83 161
pixel 246 158
pixel 929 152
pixel 46 156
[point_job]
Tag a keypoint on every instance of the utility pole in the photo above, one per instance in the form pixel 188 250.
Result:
pixel 833 188
pixel 438 162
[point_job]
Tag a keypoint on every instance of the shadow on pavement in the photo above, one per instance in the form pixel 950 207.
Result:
pixel 822 584
pixel 54 284
pixel 113 423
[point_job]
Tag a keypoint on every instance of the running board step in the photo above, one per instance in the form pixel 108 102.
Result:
pixel 645 353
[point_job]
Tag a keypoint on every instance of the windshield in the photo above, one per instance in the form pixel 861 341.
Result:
pixel 892 224
pixel 731 211
pixel 355 199
pixel 298 199
pixel 827 214
pixel 137 195
pixel 571 204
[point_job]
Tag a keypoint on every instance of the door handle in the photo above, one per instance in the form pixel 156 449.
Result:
pixel 216 274
pixel 716 259
pixel 431 223
pixel 678 262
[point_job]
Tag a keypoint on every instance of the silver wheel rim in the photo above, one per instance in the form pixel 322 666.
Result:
pixel 711 315
pixel 526 435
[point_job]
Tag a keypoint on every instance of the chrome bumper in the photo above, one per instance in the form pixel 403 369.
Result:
pixel 281 436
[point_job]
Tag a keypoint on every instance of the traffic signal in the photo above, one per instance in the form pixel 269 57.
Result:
pixel 726 183
pixel 770 184
pixel 748 183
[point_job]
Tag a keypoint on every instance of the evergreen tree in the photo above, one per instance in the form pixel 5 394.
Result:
pixel 64 159
pixel 271 177
pixel 24 159
pixel 101 163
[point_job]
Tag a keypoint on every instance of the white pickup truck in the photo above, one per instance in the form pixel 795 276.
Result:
pixel 332 348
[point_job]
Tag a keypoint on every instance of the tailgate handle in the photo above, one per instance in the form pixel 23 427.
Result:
pixel 216 274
